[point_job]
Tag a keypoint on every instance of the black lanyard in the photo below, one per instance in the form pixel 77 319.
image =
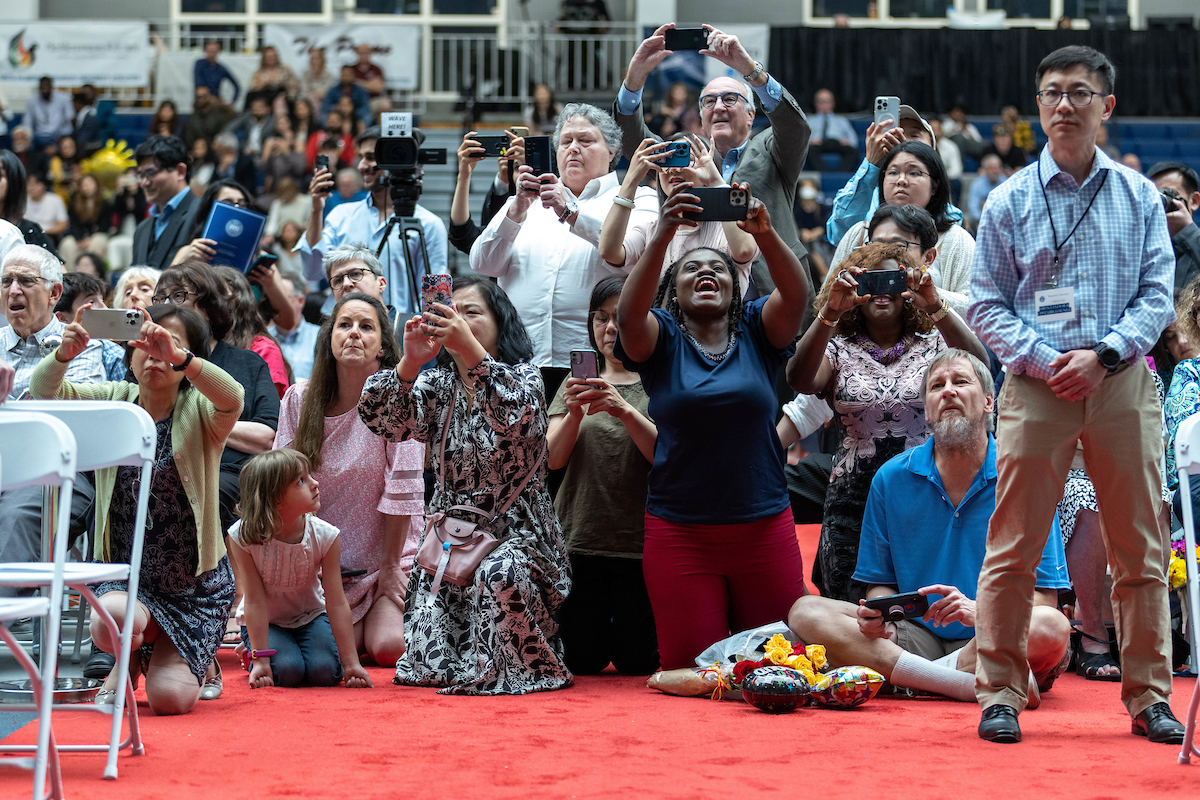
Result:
pixel 1053 280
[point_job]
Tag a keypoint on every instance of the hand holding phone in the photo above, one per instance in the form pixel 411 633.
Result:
pixel 678 39
pixel 882 282
pixel 584 364
pixel 117 324
pixel 436 288
pixel 719 203
pixel 909 605
pixel 887 112
pixel 537 154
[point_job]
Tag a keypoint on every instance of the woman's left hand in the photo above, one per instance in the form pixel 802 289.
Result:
pixel 450 329
pixel 357 678
pixel 601 396
pixel 158 343
pixel 705 172
pixel 921 291
pixel 758 219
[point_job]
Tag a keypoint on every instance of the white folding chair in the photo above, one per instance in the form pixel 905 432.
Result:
pixel 108 434
pixel 1187 461
pixel 39 450
pixel 14 608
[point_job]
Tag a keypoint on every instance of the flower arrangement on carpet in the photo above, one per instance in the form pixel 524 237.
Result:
pixel 1177 571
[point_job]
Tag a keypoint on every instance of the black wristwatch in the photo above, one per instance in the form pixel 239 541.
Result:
pixel 1109 357
pixel 184 364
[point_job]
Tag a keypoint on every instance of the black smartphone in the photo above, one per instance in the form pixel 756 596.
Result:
pixel 686 39
pixel 584 364
pixel 537 154
pixel 900 606
pixel 322 161
pixel 680 155
pixel 353 573
pixel 882 281
pixel 719 203
pixel 493 144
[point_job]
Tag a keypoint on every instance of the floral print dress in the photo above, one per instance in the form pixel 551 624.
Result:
pixel 879 412
pixel 498 635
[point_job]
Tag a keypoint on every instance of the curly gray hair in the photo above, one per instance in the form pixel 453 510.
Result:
pixel 597 116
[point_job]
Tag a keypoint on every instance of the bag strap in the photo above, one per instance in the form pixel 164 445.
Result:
pixel 537 463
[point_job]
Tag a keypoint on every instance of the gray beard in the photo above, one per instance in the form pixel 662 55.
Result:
pixel 956 432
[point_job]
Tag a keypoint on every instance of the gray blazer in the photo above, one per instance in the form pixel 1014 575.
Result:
pixel 174 236
pixel 770 163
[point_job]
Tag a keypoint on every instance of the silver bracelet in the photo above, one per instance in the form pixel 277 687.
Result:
pixel 621 201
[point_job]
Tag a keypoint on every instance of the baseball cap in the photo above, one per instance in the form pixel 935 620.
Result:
pixel 908 112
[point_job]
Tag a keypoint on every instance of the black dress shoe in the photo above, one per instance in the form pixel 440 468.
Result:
pixel 999 724
pixel 1159 725
pixel 99 664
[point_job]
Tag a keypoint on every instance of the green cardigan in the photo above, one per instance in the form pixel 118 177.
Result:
pixel 203 417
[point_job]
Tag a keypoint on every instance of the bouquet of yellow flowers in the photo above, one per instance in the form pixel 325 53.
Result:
pixel 1177 571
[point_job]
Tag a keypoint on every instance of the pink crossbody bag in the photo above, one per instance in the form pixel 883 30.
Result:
pixel 454 547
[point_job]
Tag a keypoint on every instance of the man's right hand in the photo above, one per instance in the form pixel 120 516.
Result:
pixel 870 621
pixel 321 185
pixel 880 141
pixel 1179 219
pixel 650 54
pixel 529 189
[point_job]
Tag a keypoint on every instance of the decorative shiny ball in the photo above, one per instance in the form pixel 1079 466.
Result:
pixel 846 687
pixel 775 690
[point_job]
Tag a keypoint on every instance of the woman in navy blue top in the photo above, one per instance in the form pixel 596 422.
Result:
pixel 720 548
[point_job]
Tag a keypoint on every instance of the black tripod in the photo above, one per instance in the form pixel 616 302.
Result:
pixel 408 225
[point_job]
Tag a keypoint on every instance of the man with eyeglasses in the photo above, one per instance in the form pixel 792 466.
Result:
pixel 770 161
pixel 31 284
pixel 1071 286
pixel 365 222
pixel 162 172
pixel 351 268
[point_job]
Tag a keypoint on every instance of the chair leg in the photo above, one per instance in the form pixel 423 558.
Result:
pixel 83 609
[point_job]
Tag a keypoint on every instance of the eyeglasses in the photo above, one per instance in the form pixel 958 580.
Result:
pixel 352 275
pixel 1078 97
pixel 728 99
pixel 601 320
pixel 25 281
pixel 178 297
pixel 912 173
pixel 147 174
pixel 902 242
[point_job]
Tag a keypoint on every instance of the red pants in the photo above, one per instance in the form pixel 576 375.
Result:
pixel 707 581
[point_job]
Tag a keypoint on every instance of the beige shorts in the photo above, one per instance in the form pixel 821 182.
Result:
pixel 914 637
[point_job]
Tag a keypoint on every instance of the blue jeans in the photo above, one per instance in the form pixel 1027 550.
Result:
pixel 306 655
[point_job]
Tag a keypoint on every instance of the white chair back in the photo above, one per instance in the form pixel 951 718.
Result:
pixel 1187 462
pixel 107 433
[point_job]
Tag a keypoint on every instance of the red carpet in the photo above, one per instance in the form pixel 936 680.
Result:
pixel 609 736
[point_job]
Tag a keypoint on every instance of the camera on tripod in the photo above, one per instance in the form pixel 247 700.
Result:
pixel 400 157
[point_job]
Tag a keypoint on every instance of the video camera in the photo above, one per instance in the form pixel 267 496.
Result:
pixel 400 157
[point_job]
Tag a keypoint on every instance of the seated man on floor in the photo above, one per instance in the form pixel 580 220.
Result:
pixel 925 530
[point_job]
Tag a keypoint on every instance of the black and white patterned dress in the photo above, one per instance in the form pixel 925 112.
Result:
pixel 190 609
pixel 498 635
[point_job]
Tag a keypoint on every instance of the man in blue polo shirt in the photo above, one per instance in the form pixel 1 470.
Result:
pixel 925 530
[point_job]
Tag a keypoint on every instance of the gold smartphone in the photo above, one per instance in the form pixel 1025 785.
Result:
pixel 519 130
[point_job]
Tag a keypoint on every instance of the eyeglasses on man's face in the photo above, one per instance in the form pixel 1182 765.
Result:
pixel 147 174
pixel 352 275
pixel 727 99
pixel 1077 97
pixel 24 281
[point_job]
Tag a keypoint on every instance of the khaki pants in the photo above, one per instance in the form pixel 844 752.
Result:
pixel 1121 431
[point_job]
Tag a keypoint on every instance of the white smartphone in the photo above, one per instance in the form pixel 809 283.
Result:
pixel 118 324
pixel 887 112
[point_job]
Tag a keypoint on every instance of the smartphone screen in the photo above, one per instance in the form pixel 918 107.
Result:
pixel 686 39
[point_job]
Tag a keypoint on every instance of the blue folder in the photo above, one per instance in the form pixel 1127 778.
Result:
pixel 237 232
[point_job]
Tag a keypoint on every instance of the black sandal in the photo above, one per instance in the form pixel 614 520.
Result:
pixel 1089 665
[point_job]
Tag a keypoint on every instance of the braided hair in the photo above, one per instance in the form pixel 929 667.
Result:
pixel 666 297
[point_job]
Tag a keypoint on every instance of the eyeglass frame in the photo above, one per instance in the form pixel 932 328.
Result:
pixel 159 299
pixel 1061 94
pixel 904 242
pixel 148 174
pixel 892 171
pixel 592 315
pixel 341 279
pixel 7 280
pixel 721 97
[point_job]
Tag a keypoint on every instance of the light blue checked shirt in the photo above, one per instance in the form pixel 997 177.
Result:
pixel 1119 261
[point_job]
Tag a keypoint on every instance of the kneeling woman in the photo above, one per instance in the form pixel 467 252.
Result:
pixel 721 551
pixel 484 409
pixel 186 584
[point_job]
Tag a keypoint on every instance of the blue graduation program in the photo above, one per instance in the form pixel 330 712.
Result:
pixel 237 232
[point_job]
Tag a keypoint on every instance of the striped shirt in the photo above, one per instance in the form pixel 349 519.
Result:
pixel 24 354
pixel 1119 261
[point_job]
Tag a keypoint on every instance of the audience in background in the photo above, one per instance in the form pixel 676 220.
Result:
pixel 541 116
pixel 91 221
pixel 298 344
pixel 831 133
pixel 48 113
pixel 166 121
pixel 1011 157
pixel 209 116
pixel 45 208
pixel 991 174
pixel 210 74
pixel 273 77
pixel 162 171
pixel 316 80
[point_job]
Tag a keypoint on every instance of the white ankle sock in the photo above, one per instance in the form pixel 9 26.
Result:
pixel 913 672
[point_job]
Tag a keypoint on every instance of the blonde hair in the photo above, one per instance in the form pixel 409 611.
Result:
pixel 262 483
pixel 136 275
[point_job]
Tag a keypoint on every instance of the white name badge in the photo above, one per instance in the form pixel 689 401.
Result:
pixel 1055 305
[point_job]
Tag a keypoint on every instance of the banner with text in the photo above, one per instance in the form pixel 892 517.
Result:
pixel 394 48
pixel 74 53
